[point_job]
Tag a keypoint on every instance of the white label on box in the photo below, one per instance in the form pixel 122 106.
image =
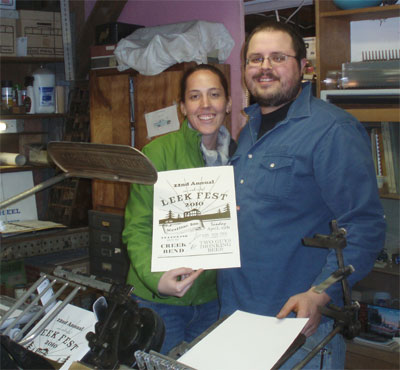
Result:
pixel 22 46
pixel 12 184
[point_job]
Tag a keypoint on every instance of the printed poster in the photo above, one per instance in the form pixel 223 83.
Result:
pixel 194 219
pixel 64 338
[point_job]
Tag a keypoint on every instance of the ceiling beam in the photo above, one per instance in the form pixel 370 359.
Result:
pixel 261 6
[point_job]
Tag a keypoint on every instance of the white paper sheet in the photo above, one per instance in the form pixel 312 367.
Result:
pixel 244 341
pixel 195 220
pixel 162 121
pixel 12 184
pixel 19 227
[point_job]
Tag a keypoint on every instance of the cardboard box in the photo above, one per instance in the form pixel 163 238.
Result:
pixel 111 33
pixel 43 31
pixel 102 50
pixel 102 56
pixel 59 48
pixel 8 37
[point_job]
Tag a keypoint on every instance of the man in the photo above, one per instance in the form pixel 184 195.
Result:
pixel 300 163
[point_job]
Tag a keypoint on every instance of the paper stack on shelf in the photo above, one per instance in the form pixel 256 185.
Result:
pixel 390 344
pixel 390 138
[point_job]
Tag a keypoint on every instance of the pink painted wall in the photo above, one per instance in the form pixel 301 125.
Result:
pixel 229 12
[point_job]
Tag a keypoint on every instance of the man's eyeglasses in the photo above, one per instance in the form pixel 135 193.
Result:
pixel 274 59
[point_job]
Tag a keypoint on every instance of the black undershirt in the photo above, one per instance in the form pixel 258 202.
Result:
pixel 269 120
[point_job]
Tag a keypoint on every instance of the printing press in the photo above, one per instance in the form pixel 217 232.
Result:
pixel 126 336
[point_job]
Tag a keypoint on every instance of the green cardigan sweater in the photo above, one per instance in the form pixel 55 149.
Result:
pixel 176 150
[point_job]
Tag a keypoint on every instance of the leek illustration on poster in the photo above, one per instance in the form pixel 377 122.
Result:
pixel 194 219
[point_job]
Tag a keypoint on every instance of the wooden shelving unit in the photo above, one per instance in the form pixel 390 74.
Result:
pixel 37 127
pixel 333 37
pixel 333 48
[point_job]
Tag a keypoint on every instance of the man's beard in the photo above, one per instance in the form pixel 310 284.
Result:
pixel 275 99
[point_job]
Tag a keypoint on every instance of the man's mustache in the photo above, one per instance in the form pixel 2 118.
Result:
pixel 269 75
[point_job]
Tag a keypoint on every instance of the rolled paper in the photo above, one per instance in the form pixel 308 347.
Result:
pixel 12 159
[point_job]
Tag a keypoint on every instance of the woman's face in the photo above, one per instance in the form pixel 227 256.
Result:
pixel 205 103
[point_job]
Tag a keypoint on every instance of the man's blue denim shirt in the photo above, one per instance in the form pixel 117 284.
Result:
pixel 311 168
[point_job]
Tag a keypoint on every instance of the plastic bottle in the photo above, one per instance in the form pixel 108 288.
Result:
pixel 44 90
pixel 6 94
pixel 29 100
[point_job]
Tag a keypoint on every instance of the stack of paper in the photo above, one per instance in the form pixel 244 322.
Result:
pixel 244 341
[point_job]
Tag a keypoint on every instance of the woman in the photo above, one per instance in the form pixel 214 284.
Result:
pixel 185 299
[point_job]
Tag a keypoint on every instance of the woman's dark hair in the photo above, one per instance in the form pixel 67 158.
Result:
pixel 201 67
pixel 299 46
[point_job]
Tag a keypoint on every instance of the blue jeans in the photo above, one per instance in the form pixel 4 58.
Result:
pixel 182 323
pixel 332 356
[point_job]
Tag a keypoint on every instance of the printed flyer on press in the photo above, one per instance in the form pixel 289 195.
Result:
pixel 194 219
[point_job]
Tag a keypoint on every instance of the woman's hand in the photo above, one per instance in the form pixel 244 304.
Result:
pixel 178 281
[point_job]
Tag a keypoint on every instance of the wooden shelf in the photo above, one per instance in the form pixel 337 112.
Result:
pixel 25 133
pixel 390 196
pixel 371 13
pixel 32 116
pixel 31 60
pixel 359 356
pixel 367 114
pixel 390 270
pixel 6 169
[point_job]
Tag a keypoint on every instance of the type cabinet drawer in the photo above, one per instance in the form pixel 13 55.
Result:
pixel 108 255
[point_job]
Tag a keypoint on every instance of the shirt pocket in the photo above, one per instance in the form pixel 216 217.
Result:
pixel 275 180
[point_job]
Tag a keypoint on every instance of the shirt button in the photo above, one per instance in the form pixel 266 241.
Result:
pixel 241 181
pixel 250 156
pixel 272 165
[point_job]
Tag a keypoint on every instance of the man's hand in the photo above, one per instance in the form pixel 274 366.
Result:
pixel 178 281
pixel 306 305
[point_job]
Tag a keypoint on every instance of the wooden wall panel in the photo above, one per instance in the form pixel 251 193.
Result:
pixel 153 93
pixel 110 124
pixel 110 117
pixel 109 109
